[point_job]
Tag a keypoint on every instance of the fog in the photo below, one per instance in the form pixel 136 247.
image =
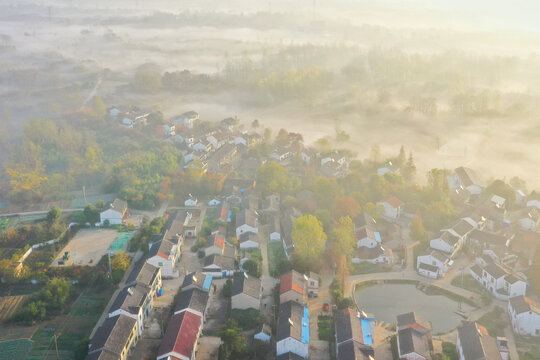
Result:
pixel 381 59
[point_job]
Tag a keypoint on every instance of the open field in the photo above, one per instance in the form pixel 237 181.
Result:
pixel 15 349
pixel 9 304
pixel 89 246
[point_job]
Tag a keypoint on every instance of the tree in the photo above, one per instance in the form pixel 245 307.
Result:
pixel 274 178
pixel 91 214
pixel 418 233
pixel 500 188
pixel 437 183
pixel 98 107
pixel 409 170
pixel 402 157
pixel 252 268
pixel 147 81
pixel 120 261
pixel 326 191
pixel 346 206
pixel 156 118
pixel 255 124
pixel 375 154
pixel 233 340
pixel 345 241
pixel 53 215
pixel 309 240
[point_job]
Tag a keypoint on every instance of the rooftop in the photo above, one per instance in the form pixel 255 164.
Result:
pixel 246 284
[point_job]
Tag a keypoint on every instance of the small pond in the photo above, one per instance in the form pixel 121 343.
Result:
pixel 386 301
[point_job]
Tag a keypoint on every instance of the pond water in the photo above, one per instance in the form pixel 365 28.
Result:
pixel 386 301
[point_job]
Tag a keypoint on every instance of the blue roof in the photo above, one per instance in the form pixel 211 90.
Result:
pixel 178 120
pixel 366 331
pixel 207 282
pixel 378 236
pixel 305 326
pixel 229 216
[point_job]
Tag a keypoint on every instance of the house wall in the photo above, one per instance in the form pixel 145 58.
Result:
pixel 246 228
pixel 243 301
pixel 262 337
pixel 518 288
pixel 439 244
pixel 249 245
pixel 380 259
pixel 139 317
pixel 430 260
pixel 527 323
pixel 527 224
pixel 291 295
pixel 275 236
pixel 428 273
pixel 166 266
pixel 292 345
pixel 114 217
pixel 367 242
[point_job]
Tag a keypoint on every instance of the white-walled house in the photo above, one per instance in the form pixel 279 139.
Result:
pixel 429 271
pixel 533 203
pixel 436 259
pixel 500 282
pixel 275 229
pixel 293 329
pixel 392 208
pixel 190 202
pixel 164 255
pixel 474 343
pixel 524 315
pixel 214 202
pixel 248 240
pixel 115 214
pixel 264 333
pixel 246 221
pixel 246 292
pixel 368 237
pixel 446 242
pixel 133 302
pixel 465 178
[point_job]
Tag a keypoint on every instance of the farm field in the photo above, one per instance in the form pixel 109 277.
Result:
pixel 9 304
pixel 15 349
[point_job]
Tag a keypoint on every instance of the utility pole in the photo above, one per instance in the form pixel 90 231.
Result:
pixel 56 345
pixel 110 269
pixel 84 194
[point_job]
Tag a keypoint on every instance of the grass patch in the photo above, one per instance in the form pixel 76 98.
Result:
pixel 247 319
pixel 326 327
pixel 494 321
pixel 528 347
pixel 435 290
pixel 15 349
pixel 368 268
pixel 277 260
pixel 468 283
pixel 449 351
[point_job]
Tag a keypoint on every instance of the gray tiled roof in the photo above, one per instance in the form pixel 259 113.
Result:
pixel 143 274
pixel 411 341
pixel 195 299
pixel 521 304
pixel 113 334
pixel 353 350
pixel 130 299
pixel 246 284
pixel 293 311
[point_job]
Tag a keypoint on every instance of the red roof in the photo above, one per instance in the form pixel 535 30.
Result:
pixel 292 281
pixel 181 335
pixel 395 202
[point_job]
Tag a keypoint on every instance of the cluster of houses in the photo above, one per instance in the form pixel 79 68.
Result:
pixel 292 335
pixel 124 322
pixel 187 321
pixel 414 337
pixel 369 242
pixel 474 342
pixel 355 335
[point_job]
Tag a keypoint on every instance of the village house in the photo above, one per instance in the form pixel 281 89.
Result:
pixel 474 343
pixel 224 212
pixel 414 337
pixel 114 339
pixel 293 286
pixel 147 277
pixel 115 214
pixel 502 283
pixel 495 217
pixel 388 168
pixel 246 292
pixel 287 222
pixel 368 237
pixel 215 244
pixel 313 284
pixel 133 302
pixel 485 240
pixel 446 242
pixel 197 280
pixel 533 203
pixel 223 159
pixel 528 219
pixel 375 255
pixel 165 253
pixel 246 221
pixel 292 333
pixel 464 178
pixel 191 223
pixel 190 202
pixel 393 207
pixel 354 336
pixel 186 119
pixel 193 300
pixel 218 265
pixel 248 241
pixel 524 315
pixel 181 338
pixel 436 259
pixel 264 333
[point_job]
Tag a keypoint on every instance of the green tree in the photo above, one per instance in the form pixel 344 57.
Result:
pixel 409 169
pixel 274 178
pixel 346 206
pixel 98 107
pixel 418 233
pixel 252 268
pixel 344 236
pixel 309 241
pixel 91 214
pixel 147 81
pixel 53 215
pixel 500 188
pixel 438 183
pixel 233 340
pixel 120 261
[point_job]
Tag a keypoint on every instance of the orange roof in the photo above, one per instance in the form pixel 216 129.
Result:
pixel 290 281
pixel 482 329
pixel 162 255
pixel 394 201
